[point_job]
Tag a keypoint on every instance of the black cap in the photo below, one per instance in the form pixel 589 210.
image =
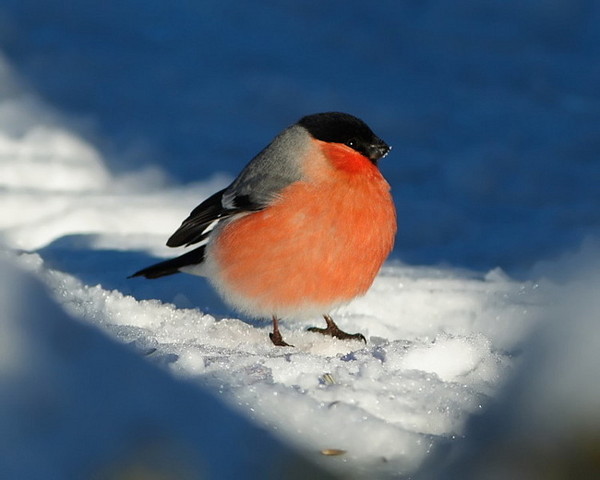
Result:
pixel 337 127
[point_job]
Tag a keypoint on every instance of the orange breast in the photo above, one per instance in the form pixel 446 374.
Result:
pixel 321 244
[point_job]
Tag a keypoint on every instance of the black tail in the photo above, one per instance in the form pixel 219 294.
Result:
pixel 169 267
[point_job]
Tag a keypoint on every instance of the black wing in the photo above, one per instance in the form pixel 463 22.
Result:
pixel 195 229
pixel 169 267
pixel 205 216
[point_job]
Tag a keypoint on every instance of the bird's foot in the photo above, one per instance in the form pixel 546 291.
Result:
pixel 278 341
pixel 337 333
pixel 334 331
pixel 276 337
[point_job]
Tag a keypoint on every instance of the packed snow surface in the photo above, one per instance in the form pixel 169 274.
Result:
pixel 486 343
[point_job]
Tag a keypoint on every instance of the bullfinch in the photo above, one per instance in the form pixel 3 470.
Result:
pixel 303 229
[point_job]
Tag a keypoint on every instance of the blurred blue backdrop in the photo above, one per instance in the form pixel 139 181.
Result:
pixel 492 106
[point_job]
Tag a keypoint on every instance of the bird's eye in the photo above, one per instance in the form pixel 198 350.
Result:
pixel 352 143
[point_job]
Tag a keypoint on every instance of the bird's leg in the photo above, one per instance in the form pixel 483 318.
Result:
pixel 334 331
pixel 276 337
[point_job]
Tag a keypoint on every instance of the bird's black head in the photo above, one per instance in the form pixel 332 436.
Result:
pixel 343 128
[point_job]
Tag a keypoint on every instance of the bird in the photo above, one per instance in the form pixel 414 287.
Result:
pixel 303 229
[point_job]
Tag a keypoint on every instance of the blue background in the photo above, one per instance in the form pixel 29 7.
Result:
pixel 492 106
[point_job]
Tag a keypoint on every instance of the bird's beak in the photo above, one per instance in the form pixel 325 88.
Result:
pixel 377 151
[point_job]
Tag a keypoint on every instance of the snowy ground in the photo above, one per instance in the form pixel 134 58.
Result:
pixel 495 169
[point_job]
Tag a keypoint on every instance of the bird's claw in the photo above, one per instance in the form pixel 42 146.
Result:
pixel 277 340
pixel 337 333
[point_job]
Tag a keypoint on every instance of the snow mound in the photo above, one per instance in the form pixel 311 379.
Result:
pixel 74 404
pixel 383 404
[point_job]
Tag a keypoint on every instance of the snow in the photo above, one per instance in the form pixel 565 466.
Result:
pixel 482 328
pixel 415 379
pixel 75 404
pixel 546 421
